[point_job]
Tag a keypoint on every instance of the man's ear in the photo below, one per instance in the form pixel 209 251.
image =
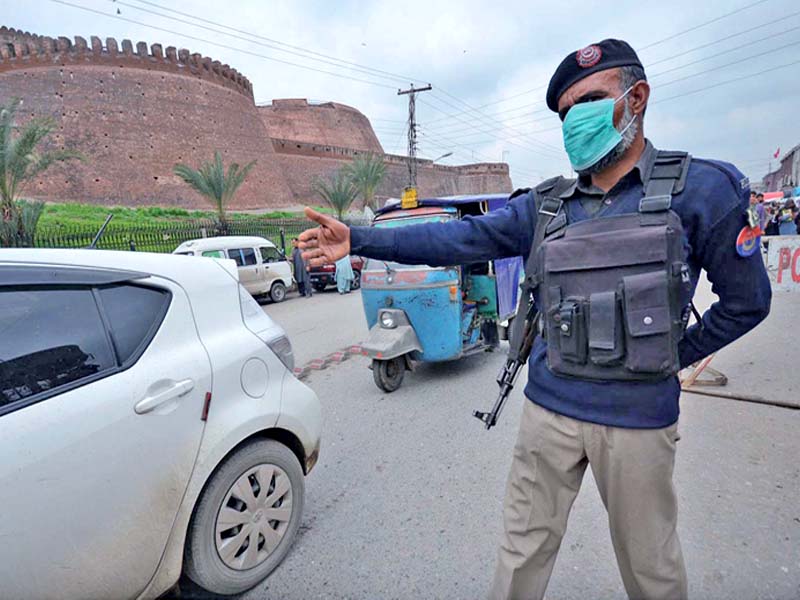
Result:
pixel 640 95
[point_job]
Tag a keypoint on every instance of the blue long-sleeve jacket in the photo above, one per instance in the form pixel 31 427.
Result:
pixel 712 208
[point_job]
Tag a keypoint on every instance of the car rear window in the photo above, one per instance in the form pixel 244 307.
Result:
pixel 51 338
pixel 134 313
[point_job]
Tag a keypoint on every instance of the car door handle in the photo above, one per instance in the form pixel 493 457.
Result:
pixel 175 390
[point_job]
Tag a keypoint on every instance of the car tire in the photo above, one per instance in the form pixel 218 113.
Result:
pixel 211 557
pixel 356 280
pixel 277 292
pixel 388 374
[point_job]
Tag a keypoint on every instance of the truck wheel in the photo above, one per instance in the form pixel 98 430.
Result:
pixel 388 374
pixel 356 280
pixel 246 519
pixel 277 292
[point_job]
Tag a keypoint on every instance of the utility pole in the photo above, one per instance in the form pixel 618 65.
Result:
pixel 412 132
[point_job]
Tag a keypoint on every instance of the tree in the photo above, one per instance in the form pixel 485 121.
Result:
pixel 21 161
pixel 212 182
pixel 366 172
pixel 339 191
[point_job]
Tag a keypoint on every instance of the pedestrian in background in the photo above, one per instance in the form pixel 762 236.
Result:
pixel 763 212
pixel 772 219
pixel 301 275
pixel 344 275
pixel 786 216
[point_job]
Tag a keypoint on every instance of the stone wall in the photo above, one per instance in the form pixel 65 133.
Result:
pixel 301 163
pixel 319 123
pixel 136 111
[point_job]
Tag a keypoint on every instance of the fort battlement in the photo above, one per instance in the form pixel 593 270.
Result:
pixel 135 111
pixel 284 146
pixel 23 50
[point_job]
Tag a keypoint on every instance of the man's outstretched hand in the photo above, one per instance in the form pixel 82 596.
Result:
pixel 324 244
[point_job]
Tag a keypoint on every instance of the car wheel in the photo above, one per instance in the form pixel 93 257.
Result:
pixel 277 292
pixel 388 374
pixel 356 280
pixel 320 287
pixel 246 519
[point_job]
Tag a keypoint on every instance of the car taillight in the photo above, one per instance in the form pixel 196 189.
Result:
pixel 282 348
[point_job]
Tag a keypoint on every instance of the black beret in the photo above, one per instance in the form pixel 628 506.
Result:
pixel 608 54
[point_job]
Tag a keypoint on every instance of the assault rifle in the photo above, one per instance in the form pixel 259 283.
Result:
pixel 508 374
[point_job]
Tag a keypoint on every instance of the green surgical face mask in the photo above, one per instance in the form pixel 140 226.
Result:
pixel 589 132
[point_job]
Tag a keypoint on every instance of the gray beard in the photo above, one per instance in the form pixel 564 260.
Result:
pixel 616 153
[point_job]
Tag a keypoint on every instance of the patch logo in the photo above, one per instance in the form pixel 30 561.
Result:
pixel 744 183
pixel 748 241
pixel 589 56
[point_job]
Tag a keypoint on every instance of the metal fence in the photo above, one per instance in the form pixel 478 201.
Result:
pixel 165 237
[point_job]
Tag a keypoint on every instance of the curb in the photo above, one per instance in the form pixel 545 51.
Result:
pixel 334 358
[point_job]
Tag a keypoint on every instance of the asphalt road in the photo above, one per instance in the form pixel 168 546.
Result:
pixel 324 323
pixel 406 499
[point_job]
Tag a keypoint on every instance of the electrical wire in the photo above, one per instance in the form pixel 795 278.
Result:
pixel 405 78
pixel 206 41
pixel 700 25
pixel 304 54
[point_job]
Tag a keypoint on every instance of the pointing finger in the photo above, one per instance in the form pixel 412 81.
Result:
pixel 322 219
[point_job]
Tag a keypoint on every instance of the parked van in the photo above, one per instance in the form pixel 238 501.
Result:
pixel 263 269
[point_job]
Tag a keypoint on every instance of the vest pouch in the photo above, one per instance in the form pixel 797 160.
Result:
pixel 570 330
pixel 606 332
pixel 648 323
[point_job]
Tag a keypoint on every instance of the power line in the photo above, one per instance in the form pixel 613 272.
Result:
pixel 544 147
pixel 677 34
pixel 302 53
pixel 526 119
pixel 197 38
pixel 227 47
pixel 730 64
pixel 699 25
pixel 724 39
pixel 302 49
pixel 734 80
pixel 758 41
pixel 724 52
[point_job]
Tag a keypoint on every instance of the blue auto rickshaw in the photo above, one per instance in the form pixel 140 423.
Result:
pixel 419 313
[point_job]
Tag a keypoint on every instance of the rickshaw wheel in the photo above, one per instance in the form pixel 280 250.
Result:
pixel 388 374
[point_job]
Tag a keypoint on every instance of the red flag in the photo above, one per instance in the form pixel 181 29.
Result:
pixel 777 152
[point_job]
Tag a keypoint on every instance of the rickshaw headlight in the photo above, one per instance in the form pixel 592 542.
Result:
pixel 388 320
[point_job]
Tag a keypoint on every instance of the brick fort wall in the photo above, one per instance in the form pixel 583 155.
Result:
pixel 323 123
pixel 136 111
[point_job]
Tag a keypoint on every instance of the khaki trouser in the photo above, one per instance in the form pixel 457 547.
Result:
pixel 633 470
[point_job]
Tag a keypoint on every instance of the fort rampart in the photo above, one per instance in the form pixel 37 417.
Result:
pixel 134 111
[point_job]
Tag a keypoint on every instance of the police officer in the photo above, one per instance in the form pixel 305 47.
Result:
pixel 625 431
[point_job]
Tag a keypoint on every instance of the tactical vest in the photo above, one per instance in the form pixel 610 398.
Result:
pixel 614 292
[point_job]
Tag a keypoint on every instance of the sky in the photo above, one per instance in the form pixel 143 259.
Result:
pixel 488 63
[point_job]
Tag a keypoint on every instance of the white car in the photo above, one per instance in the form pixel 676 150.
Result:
pixel 150 424
pixel 263 269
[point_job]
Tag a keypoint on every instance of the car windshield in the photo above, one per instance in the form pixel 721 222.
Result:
pixel 381 265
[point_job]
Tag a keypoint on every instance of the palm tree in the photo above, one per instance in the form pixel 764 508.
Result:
pixel 20 162
pixel 366 172
pixel 339 191
pixel 211 181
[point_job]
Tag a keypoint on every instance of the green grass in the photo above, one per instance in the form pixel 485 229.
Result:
pixel 90 215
